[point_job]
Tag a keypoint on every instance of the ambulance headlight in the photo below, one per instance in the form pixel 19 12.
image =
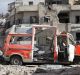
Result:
pixel 1 53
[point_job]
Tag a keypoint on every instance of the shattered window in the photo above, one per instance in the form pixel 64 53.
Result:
pixel 44 39
pixel 22 40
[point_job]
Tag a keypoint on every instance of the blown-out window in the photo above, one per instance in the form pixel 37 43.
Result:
pixel 31 3
pixel 22 40
pixel 77 19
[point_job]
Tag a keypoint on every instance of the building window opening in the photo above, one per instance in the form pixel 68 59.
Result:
pixel 77 19
pixel 50 2
pixel 63 17
pixel 21 40
pixel 77 2
pixel 57 2
pixel 31 3
pixel 78 37
pixel 47 19
pixel 34 19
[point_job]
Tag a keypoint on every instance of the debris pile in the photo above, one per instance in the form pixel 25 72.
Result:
pixel 35 70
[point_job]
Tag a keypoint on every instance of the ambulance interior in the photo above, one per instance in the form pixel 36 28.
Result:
pixel 44 44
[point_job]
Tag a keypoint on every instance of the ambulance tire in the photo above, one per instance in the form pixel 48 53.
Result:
pixel 16 60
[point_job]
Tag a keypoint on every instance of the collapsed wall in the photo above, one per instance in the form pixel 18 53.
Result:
pixel 51 12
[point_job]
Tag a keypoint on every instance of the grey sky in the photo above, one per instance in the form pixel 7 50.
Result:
pixel 4 5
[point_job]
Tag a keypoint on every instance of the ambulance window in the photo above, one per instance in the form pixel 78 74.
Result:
pixel 22 40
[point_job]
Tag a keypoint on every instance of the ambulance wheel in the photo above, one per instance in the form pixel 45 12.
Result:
pixel 16 60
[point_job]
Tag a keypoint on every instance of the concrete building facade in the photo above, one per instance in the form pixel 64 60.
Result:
pixel 64 14
pixel 24 11
pixel 69 17
pixel 75 21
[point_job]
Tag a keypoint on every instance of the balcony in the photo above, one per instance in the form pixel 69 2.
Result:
pixel 75 7
pixel 27 8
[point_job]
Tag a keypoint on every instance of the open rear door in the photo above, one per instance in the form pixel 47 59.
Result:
pixel 66 48
pixel 44 43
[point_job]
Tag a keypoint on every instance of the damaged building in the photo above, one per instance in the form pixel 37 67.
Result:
pixel 64 14
pixel 24 11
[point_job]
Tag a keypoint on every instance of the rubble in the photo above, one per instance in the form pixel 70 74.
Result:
pixel 16 70
pixel 39 70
